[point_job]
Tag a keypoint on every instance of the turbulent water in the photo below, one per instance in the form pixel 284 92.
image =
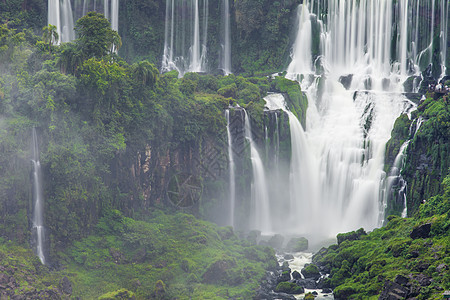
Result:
pixel 63 15
pixel 352 65
pixel 346 130
pixel 38 205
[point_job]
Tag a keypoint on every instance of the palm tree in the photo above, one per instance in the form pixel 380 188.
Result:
pixel 50 36
pixel 145 72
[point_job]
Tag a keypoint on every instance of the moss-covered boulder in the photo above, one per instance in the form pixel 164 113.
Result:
pixel 289 288
pixel 122 294
pixel 311 271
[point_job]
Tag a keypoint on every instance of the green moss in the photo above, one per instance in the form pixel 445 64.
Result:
pixel 289 288
pixel 121 294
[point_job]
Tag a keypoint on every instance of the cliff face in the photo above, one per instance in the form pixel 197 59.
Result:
pixel 427 156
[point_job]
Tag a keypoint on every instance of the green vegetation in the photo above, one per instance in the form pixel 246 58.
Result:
pixel 359 268
pixel 170 255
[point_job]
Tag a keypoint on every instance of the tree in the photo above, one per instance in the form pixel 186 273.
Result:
pixel 95 36
pixel 145 72
pixel 50 35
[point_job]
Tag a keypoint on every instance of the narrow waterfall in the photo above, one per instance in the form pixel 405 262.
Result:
pixel 61 14
pixel 185 38
pixel 232 178
pixel 54 17
pixel 226 39
pixel 260 217
pixel 346 130
pixel 38 205
pixel 445 5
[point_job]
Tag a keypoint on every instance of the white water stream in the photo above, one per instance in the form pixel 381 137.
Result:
pixel 38 205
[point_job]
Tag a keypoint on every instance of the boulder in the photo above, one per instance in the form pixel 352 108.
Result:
pixel 307 283
pixel 393 291
pixel 289 288
pixel 311 271
pixel 296 275
pixel 421 231
pixel 288 256
pixel 285 276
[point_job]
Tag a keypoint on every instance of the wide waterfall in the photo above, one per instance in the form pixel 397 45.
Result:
pixel 346 129
pixel 185 40
pixel 61 14
pixel 38 205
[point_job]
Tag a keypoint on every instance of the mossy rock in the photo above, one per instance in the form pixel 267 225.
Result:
pixel 309 296
pixel 289 288
pixel 311 271
pixel 297 244
pixel 119 294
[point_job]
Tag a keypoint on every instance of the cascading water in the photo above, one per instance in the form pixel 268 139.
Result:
pixel 38 209
pixel 260 217
pixel 185 36
pixel 226 39
pixel 61 15
pixel 346 131
pixel 232 178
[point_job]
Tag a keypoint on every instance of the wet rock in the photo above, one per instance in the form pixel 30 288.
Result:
pixel 327 291
pixel 296 275
pixel 285 276
pixel 346 80
pixel 288 256
pixel 307 283
pixel 311 271
pixel 421 231
pixel 393 291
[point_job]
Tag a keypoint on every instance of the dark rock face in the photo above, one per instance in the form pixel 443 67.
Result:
pixel 296 275
pixel 393 291
pixel 421 232
pixel 346 81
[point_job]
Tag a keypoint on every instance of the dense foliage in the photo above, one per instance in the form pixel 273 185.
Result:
pixel 362 265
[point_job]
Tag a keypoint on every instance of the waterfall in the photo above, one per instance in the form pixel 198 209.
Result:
pixel 61 15
pixel 260 217
pixel 340 177
pixel 443 35
pixel 185 37
pixel 226 39
pixel 232 179
pixel 38 209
